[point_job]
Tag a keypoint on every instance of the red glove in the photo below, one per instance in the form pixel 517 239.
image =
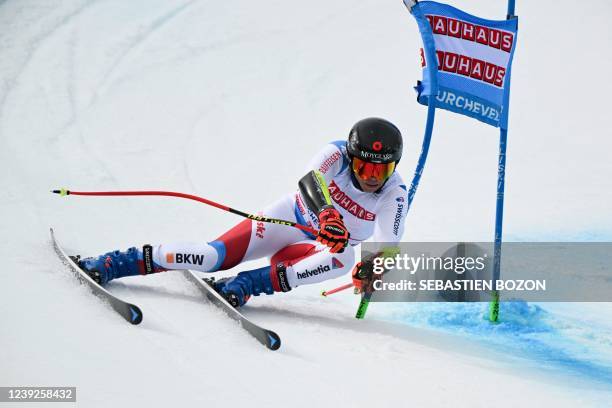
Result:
pixel 364 277
pixel 332 231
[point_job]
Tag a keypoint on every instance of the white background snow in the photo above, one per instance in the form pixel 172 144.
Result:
pixel 228 100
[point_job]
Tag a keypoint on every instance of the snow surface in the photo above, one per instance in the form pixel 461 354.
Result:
pixel 228 100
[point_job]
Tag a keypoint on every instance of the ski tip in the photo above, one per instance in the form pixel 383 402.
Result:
pixel 273 342
pixel 135 314
pixel 324 293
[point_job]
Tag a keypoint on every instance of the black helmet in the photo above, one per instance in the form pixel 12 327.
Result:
pixel 375 140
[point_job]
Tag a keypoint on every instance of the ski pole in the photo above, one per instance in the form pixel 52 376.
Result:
pixel 338 289
pixel 363 305
pixel 65 192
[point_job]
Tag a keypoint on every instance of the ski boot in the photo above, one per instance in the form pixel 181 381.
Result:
pixel 111 265
pixel 238 289
pixel 94 274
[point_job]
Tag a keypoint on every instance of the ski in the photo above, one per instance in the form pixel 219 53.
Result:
pixel 266 337
pixel 128 311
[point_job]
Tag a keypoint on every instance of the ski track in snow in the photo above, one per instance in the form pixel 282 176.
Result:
pixel 34 44
pixel 138 40
pixel 219 74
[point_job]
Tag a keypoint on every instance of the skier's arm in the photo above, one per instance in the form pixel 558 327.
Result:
pixel 322 168
pixel 332 231
pixel 314 190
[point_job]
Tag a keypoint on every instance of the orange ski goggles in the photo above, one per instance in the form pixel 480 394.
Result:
pixel 379 171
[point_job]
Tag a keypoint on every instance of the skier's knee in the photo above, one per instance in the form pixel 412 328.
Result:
pixel 342 262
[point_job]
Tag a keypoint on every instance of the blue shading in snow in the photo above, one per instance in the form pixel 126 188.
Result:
pixel 525 331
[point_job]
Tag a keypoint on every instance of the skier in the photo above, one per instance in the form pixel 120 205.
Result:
pixel 351 193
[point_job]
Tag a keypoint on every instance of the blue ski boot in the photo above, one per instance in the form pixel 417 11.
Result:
pixel 238 289
pixel 116 264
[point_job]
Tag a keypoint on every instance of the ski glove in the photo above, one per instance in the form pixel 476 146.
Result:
pixel 332 231
pixel 364 277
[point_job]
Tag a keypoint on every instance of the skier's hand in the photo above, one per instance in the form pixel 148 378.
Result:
pixel 332 231
pixel 364 277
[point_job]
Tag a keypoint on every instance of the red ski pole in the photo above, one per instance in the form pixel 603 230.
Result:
pixel 65 192
pixel 338 289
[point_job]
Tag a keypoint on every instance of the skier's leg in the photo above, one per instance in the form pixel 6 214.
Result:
pixel 318 265
pixel 301 263
pixel 246 241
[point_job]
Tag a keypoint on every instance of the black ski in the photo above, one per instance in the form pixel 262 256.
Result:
pixel 266 337
pixel 128 311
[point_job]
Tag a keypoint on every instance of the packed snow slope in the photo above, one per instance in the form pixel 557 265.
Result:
pixel 228 100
